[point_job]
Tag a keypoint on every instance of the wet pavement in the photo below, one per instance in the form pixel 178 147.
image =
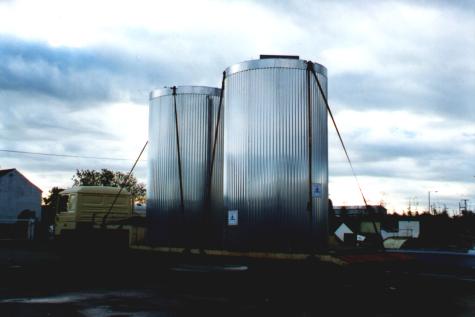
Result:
pixel 200 296
pixel 147 286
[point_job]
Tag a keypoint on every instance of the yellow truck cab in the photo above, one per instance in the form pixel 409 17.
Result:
pixel 86 208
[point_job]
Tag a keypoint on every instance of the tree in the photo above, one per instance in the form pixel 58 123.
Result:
pixel 106 177
pixel 52 204
pixel 343 212
pixel 55 200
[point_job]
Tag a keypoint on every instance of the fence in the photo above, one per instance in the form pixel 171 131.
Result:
pixel 17 229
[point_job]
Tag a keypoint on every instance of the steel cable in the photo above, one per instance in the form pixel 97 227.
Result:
pixel 344 149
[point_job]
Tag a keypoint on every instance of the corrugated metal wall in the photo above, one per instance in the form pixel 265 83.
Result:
pixel 266 167
pixel 196 112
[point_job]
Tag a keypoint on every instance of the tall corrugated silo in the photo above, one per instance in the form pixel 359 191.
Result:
pixel 275 156
pixel 181 202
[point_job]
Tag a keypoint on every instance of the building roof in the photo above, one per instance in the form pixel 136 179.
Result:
pixel 6 171
pixel 95 190
pixel 9 170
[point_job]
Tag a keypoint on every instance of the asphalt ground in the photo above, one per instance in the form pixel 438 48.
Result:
pixel 90 289
pixel 104 283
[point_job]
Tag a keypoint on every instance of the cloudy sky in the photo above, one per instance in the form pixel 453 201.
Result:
pixel 75 78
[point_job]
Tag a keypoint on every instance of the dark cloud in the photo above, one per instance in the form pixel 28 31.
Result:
pixel 419 59
pixel 408 158
pixel 438 93
pixel 44 91
pixel 43 118
pixel 80 76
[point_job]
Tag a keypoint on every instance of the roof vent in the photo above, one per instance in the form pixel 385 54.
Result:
pixel 279 56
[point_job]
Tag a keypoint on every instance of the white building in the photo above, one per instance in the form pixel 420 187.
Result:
pixel 17 194
pixel 406 229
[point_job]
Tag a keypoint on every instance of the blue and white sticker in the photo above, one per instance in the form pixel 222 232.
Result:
pixel 316 190
pixel 232 217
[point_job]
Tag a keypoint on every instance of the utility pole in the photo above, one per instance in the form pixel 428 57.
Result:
pixel 435 191
pixel 464 205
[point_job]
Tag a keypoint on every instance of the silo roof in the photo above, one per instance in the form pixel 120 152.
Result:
pixel 200 90
pixel 273 63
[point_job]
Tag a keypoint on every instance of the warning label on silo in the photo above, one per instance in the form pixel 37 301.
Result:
pixel 232 217
pixel 316 190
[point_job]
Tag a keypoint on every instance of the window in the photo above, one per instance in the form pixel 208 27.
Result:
pixel 72 200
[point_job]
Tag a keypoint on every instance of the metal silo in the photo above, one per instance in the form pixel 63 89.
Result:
pixel 275 156
pixel 181 202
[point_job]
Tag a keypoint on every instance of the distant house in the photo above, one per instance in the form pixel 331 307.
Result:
pixel 406 229
pixel 17 195
pixel 354 211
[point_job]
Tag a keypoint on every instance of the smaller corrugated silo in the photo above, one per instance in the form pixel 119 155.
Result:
pixel 182 203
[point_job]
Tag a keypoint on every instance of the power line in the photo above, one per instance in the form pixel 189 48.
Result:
pixel 66 155
pixel 126 179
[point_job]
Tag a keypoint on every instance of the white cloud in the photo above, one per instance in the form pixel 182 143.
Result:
pixel 88 23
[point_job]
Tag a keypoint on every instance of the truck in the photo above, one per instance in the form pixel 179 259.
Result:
pixel 101 216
